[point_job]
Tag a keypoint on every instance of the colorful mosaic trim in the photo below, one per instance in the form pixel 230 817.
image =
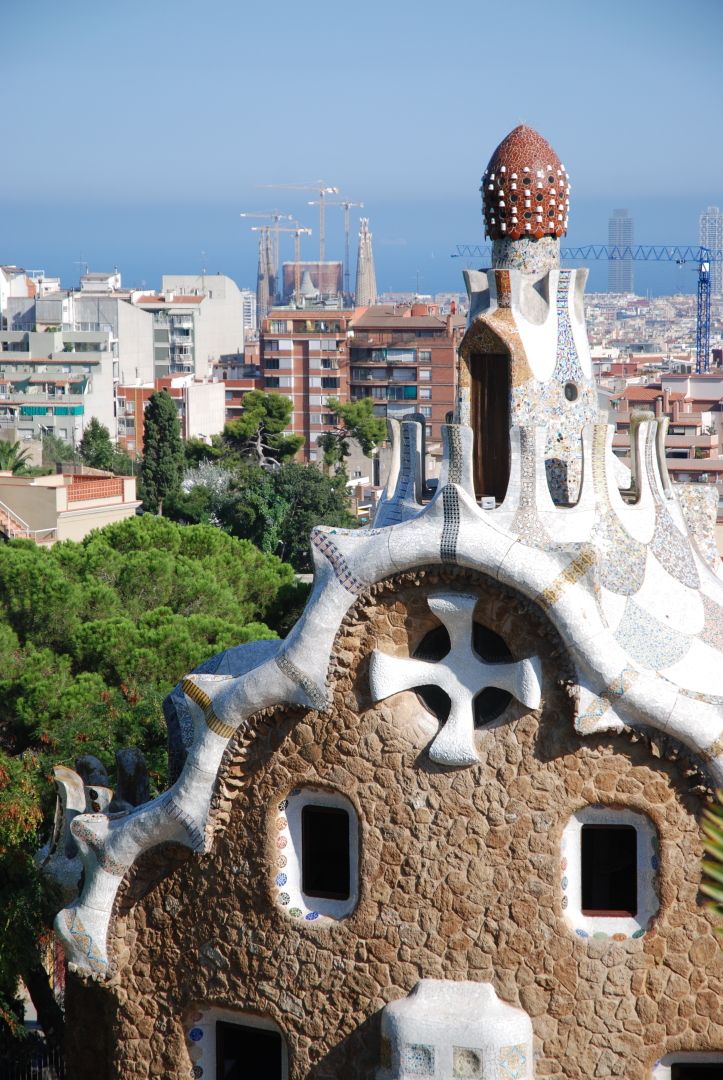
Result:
pixel 83 940
pixel 670 547
pixel 295 906
pixel 81 831
pixel 600 705
pixel 339 565
pixel 316 695
pixel 176 812
pixel 648 641
pixel 566 418
pixel 653 863
pixel 407 466
pixel 572 573
pixel 417 1060
pixel 455 454
pixel 201 698
pixel 512 1062
pixel 450 529
pixel 712 632
pixel 622 565
pixel 526 522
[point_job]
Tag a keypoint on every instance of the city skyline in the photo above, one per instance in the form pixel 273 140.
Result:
pixel 162 155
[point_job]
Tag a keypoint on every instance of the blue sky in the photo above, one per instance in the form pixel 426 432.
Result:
pixel 134 133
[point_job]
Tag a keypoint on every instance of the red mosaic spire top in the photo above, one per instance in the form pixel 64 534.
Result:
pixel 525 189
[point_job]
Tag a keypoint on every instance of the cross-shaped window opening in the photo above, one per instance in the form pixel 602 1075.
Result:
pixel 491 701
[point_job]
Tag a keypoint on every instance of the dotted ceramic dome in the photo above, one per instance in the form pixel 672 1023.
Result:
pixel 525 189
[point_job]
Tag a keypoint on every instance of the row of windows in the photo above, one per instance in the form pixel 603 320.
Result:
pixel 606 851
pixel 253 1047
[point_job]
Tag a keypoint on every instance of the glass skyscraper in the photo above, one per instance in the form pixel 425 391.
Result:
pixel 620 234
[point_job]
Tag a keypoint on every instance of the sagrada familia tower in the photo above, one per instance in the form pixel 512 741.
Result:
pixel 449 826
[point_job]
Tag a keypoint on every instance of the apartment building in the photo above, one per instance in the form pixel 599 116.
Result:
pixel 62 357
pixel 694 407
pixel 404 358
pixel 197 319
pixel 200 403
pixel 304 354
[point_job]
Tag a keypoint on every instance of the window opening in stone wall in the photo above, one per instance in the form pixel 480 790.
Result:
pixel 491 702
pixel 244 1052
pixel 490 415
pixel 690 1070
pixel 325 864
pixel 609 858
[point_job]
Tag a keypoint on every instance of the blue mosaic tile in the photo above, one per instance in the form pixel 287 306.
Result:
pixel 418 1060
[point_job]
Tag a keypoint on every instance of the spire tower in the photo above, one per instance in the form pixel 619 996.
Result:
pixel 366 281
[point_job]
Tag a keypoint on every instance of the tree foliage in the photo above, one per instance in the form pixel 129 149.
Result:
pixel 13 457
pixel 258 434
pixel 96 448
pixel 58 451
pixel 276 510
pixel 360 423
pixel 163 456
pixel 93 635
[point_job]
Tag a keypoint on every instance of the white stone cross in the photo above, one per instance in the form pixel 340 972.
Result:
pixel 462 674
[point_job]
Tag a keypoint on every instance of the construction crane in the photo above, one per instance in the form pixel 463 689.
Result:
pixel 321 190
pixel 346 205
pixel 276 216
pixel 298 231
pixel 702 257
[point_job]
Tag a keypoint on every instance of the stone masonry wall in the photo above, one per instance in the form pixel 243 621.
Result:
pixel 459 879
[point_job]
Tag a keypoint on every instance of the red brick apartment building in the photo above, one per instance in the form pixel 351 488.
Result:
pixel 403 357
pixel 305 354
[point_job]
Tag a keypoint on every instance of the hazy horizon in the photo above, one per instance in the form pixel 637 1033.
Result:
pixel 146 131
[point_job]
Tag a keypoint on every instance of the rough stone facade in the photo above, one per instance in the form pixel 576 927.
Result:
pixel 459 879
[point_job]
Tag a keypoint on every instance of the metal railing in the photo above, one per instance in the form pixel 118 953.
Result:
pixel 17 529
pixel 36 1062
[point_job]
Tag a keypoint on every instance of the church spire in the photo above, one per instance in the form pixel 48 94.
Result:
pixel 366 281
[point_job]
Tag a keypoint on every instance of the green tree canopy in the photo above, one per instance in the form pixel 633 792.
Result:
pixel 163 457
pixel 96 448
pixel 57 450
pixel 259 432
pixel 360 423
pixel 93 635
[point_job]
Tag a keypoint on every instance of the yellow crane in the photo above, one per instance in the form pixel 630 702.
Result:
pixel 321 190
pixel 346 205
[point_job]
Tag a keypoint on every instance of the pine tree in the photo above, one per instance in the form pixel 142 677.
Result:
pixel 163 458
pixel 96 448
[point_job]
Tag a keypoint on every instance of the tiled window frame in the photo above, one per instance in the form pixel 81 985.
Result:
pixel 286 875
pixel 662 1069
pixel 601 927
pixel 200 1032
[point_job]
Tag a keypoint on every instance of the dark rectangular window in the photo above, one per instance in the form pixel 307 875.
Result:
pixel 247 1053
pixel 325 852
pixel 609 859
pixel 690 1070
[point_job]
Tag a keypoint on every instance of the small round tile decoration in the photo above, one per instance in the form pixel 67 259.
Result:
pixel 197 1071
pixel 281 841
pixel 281 880
pixel 195 1034
pixel 283 804
pixel 281 861
pixel 296 912
pixel 582 933
pixel 311 916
